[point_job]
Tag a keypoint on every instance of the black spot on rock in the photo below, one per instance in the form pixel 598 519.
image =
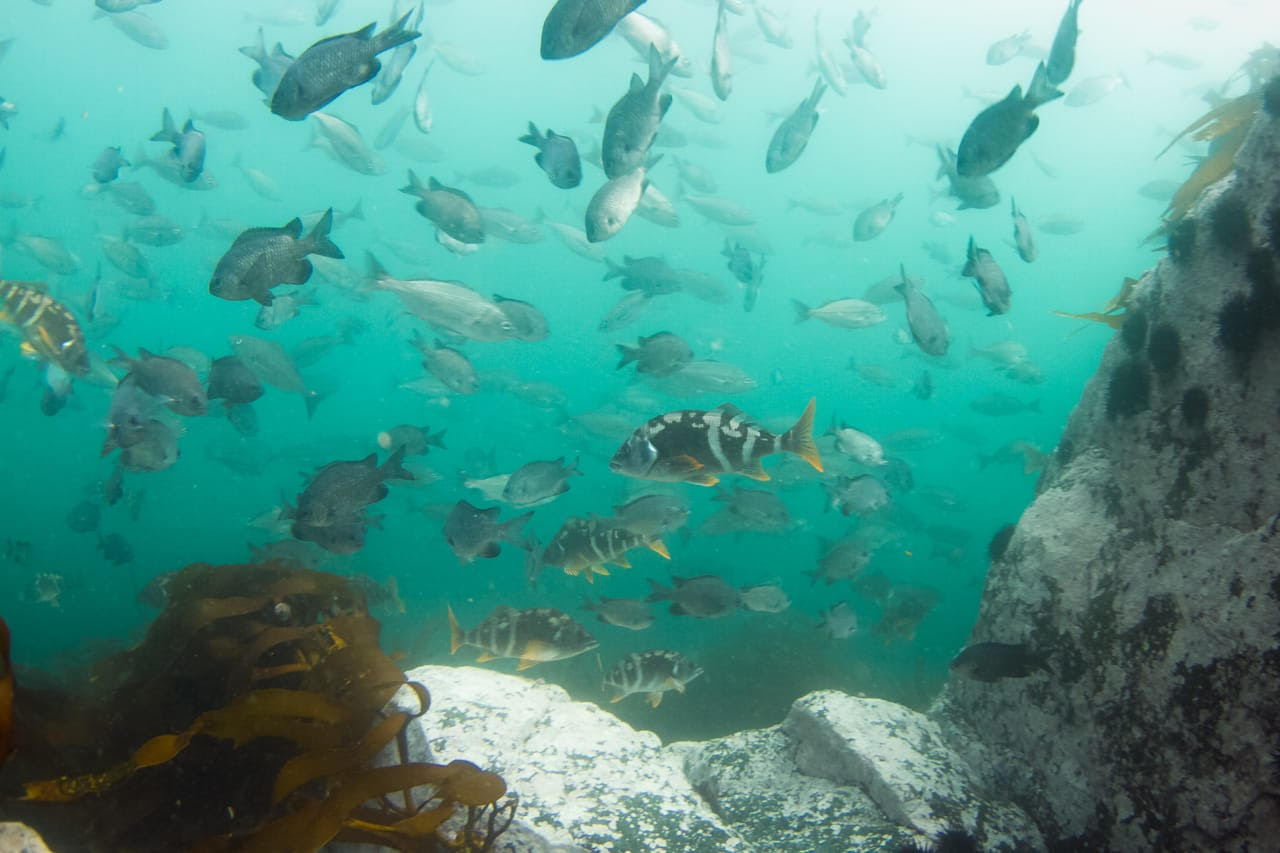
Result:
pixel 1264 296
pixel 1129 391
pixel 1239 331
pixel 1237 586
pixel 1134 330
pixel 1229 223
pixel 1195 407
pixel 1271 97
pixel 1182 241
pixel 1164 348
pixel 1000 542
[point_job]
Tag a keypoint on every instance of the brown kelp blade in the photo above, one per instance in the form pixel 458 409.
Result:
pixel 1115 321
pixel 1220 120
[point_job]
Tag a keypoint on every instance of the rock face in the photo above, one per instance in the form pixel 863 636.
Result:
pixel 845 773
pixel 1149 564
pixel 20 838
pixel 585 779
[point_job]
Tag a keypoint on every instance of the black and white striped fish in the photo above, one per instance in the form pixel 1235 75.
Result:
pixel 49 329
pixel 653 672
pixel 697 446
pixel 587 544
pixel 536 635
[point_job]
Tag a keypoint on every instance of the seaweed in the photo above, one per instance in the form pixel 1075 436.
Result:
pixel 1129 391
pixel 247 719
pixel 1164 348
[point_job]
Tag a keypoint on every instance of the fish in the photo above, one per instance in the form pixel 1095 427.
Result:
pixel 1060 224
pixel 721 57
pixel 540 482
pixel 416 441
pixel 125 257
pixel 843 313
pixel 792 136
pixel 773 28
pixel 991 662
pixel 995 133
pixel 271 66
pixel 864 60
pixel 696 446
pixel 704 596
pixel 1094 89
pixel 530 323
pixel 46 251
pixel 839 622
pixel 652 515
pixel 448 365
pixel 132 197
pixel 977 192
pixel 1000 405
pixel 231 381
pixel 573 27
pixel 115 549
pixel 659 354
pixel 188 150
pixel 450 306
pixel 1023 238
pixel 842 560
pixel 262 258
pixel 106 166
pixel 345 144
pixel 634 614
pixel 509 226
pixel 536 635
pixel 1007 48
pixel 449 209
pixel 339 492
pixel 632 122
pixel 140 29
pixel 988 278
pixel 653 673
pixel 270 363
pixel 862 495
pixel 388 80
pixel 422 118
pixel 927 327
pixel 613 204
pixel 748 510
pixel 333 65
pixel 1062 54
pixel 720 210
pixel 1031 458
pixel 872 221
pixel 746 270
pixel 763 598
pixel 557 156
pixel 1172 59
pixel 49 331
pixel 588 544
pixel 166 378
pixel 857 445
pixel 705 377
pixel 476 534
pixel 84 517
pixel 640 31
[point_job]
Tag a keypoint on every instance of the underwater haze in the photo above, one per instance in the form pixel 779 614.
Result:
pixel 941 452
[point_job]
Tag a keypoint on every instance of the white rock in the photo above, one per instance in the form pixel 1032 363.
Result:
pixel 20 838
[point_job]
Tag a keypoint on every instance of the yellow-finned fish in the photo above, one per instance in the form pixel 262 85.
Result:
pixel 49 330
pixel 536 635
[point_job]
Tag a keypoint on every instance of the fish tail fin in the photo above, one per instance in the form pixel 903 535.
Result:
pixel 313 399
pixel 456 636
pixel 319 240
pixel 415 185
pixel 799 439
pixel 510 530
pixel 629 354
pixel 658 547
pixel 802 311
pixel 1041 91
pixel 658 592
pixel 377 272
pixel 435 440
pixel 392 469
pixel 819 88
pixel 394 35
pixel 357 210
pixel 169 131
pixel 532 137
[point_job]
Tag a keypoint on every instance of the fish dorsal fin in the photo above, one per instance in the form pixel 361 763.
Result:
pixel 434 185
pixel 729 410
pixel 293 228
pixel 636 83
pixel 365 32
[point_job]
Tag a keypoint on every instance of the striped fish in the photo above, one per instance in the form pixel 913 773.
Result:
pixel 533 636
pixel 584 544
pixel 653 672
pixel 49 330
pixel 696 446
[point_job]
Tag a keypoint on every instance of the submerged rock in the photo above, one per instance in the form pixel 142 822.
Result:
pixel 1148 567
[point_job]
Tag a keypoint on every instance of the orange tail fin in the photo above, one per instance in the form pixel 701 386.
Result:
pixel 799 439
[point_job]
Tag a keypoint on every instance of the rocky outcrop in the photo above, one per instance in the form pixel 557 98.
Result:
pixel 20 838
pixel 1148 566
pixel 847 773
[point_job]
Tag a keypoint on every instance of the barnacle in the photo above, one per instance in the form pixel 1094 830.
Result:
pixel 248 719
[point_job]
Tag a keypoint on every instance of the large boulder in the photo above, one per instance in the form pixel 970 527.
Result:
pixel 20 838
pixel 848 773
pixel 584 779
pixel 1148 566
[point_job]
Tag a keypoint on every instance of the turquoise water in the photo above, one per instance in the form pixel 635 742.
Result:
pixel 65 65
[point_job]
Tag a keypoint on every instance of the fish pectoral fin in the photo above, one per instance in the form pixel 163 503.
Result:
pixel 485 657
pixel 534 652
pixel 616 699
pixel 685 463
pixel 702 479
pixel 754 471
pixel 655 699
pixel 658 547
pixel 672 684
pixel 27 349
pixel 621 561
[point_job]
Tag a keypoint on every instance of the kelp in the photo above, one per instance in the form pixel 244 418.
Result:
pixel 6 693
pixel 247 719
pixel 1109 316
